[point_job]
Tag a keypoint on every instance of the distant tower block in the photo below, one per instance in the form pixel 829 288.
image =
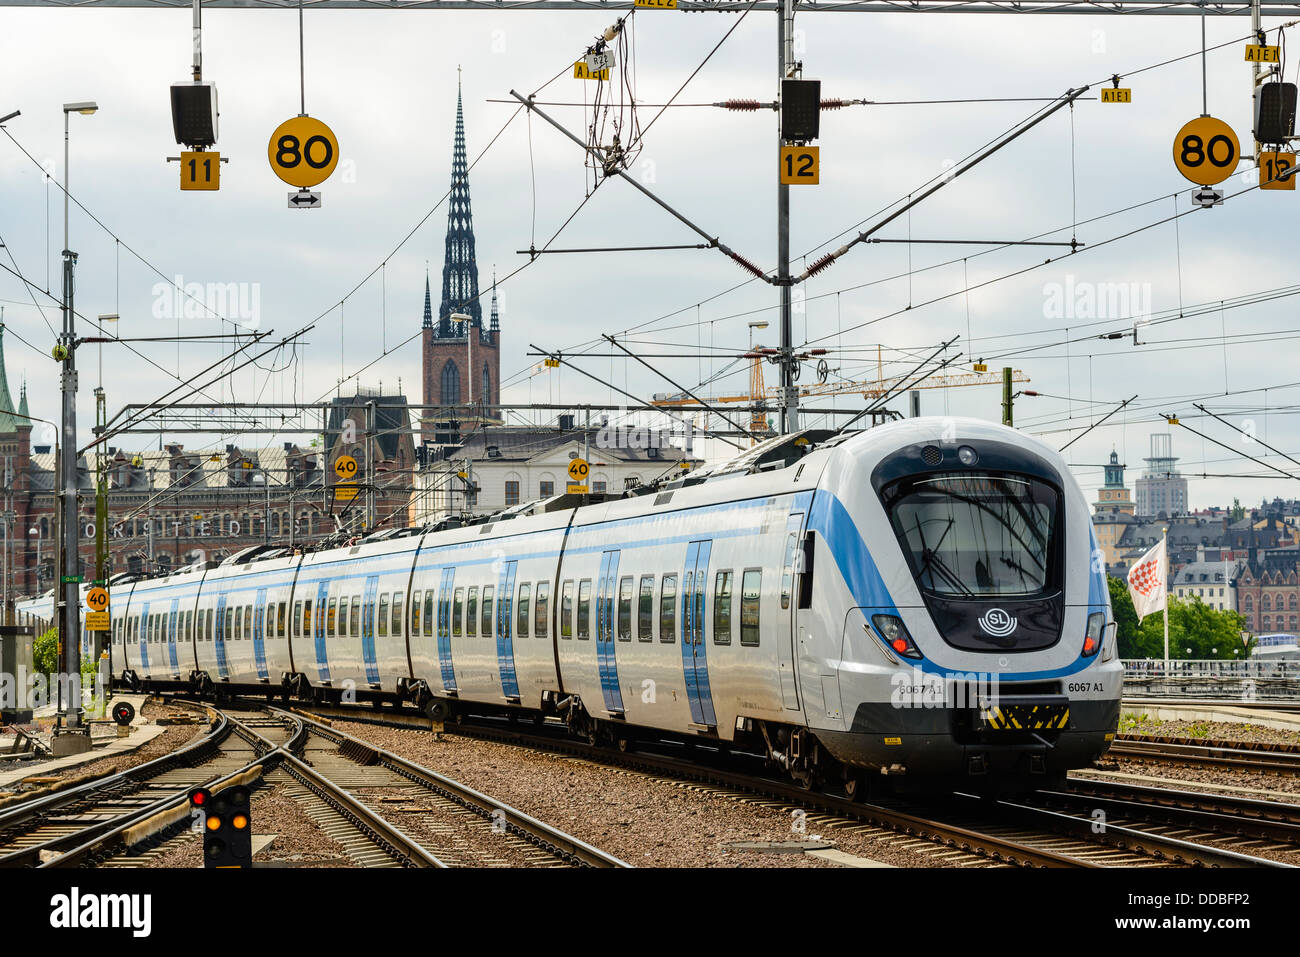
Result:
pixel 1161 491
pixel 461 360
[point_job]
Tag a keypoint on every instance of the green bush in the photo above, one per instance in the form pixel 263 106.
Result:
pixel 1208 632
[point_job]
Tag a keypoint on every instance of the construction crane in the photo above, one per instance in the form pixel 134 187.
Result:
pixel 760 394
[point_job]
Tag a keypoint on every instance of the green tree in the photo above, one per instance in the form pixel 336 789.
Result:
pixel 45 652
pixel 1238 512
pixel 1208 632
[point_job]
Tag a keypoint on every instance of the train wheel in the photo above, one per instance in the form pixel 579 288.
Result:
pixel 855 788
pixel 624 744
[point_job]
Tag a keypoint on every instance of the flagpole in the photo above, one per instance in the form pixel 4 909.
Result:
pixel 1164 544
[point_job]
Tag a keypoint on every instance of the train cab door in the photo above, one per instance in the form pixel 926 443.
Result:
pixel 443 637
pixel 173 634
pixel 260 620
pixel 223 662
pixel 789 613
pixel 318 632
pixel 695 665
pixel 606 662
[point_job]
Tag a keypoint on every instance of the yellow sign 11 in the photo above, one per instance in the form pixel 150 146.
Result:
pixel 200 170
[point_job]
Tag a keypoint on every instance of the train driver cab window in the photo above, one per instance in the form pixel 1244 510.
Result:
pixel 541 609
pixel 397 613
pixel 525 593
pixel 584 608
pixel 566 610
pixel 415 611
pixel 471 612
pixel 668 609
pixel 457 609
pixel 751 589
pixel 382 630
pixel 485 618
pixel 625 609
pixel 722 607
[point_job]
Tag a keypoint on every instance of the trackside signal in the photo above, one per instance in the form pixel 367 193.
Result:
pixel 227 826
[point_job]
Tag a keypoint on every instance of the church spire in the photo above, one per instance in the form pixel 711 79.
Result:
pixel 7 421
pixel 496 312
pixel 22 405
pixel 428 304
pixel 459 269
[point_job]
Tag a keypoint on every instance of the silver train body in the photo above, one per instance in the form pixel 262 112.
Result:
pixel 921 598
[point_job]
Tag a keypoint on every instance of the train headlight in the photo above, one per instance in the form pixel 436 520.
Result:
pixel 892 629
pixel 1095 633
pixel 967 455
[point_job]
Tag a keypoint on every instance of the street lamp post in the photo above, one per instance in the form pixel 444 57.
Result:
pixel 70 733
pixel 35 530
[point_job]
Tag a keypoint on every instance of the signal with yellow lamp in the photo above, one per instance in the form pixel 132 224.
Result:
pixel 227 831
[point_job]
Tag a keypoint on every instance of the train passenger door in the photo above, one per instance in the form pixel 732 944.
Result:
pixel 173 624
pixel 505 622
pixel 223 665
pixel 444 629
pixel 143 638
pixel 318 630
pixel 260 619
pixel 695 665
pixel 606 593
pixel 368 631
pixel 789 612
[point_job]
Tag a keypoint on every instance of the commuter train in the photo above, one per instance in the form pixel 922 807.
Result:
pixel 922 599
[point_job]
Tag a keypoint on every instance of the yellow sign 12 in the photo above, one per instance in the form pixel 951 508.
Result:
pixel 200 170
pixel 801 165
pixel 303 152
pixel 1276 171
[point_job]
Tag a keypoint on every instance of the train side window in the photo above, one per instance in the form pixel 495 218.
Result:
pixel 584 608
pixel 279 619
pixel 268 621
pixel 787 570
pixel 566 610
pixel 397 613
pixel 457 609
pixel 625 609
pixel 248 620
pixel 354 617
pixel 485 613
pixel 331 617
pixel 343 616
pixel 471 612
pixel 297 617
pixel 668 609
pixel 541 609
pixel 428 614
pixel 722 607
pixel 645 609
pixel 239 624
pixel 751 589
pixel 382 631
pixel 230 623
pixel 525 593
pixel 416 597
pixel 306 619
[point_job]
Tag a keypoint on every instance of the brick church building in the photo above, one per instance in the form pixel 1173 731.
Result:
pixel 461 369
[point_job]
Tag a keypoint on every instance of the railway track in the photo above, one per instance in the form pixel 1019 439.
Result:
pixel 1245 756
pixel 1000 832
pixel 341 784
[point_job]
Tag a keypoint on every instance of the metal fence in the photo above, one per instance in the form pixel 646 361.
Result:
pixel 1248 680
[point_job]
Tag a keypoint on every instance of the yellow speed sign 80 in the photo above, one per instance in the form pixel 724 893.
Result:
pixel 1206 151
pixel 303 151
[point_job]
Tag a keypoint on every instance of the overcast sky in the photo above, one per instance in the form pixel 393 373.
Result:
pixel 385 81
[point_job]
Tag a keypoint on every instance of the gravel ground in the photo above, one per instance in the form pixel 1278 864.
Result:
pixel 646 821
pixel 298 841
pixel 1137 722
pixel 1206 776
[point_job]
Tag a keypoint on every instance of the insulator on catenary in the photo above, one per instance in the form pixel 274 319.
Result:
pixel 821 264
pixel 747 265
pixel 747 106
pixel 833 104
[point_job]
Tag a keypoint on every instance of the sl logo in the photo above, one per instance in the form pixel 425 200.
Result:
pixel 998 623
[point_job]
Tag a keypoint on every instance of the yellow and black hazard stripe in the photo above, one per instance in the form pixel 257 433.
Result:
pixel 1027 718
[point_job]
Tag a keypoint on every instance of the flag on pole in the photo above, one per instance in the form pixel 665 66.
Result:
pixel 1146 582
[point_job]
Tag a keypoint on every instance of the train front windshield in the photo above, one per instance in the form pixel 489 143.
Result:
pixel 977 535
